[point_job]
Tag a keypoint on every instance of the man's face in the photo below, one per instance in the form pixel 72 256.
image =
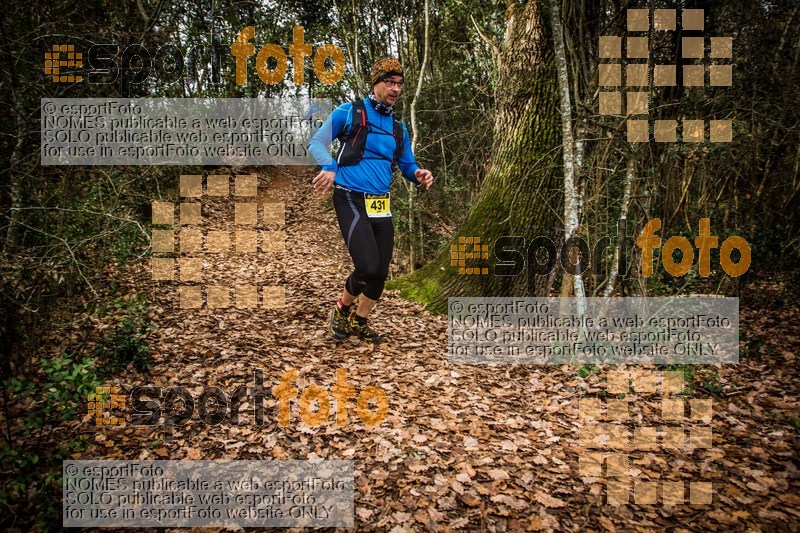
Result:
pixel 388 90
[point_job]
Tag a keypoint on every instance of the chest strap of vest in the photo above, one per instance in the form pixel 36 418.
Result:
pixel 353 140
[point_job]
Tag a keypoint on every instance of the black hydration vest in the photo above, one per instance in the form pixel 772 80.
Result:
pixel 353 141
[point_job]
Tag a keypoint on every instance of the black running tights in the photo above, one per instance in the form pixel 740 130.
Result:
pixel 369 241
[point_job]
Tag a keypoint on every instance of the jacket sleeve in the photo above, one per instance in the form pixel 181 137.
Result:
pixel 322 139
pixel 407 162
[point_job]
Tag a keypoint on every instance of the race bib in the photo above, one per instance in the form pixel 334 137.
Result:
pixel 377 205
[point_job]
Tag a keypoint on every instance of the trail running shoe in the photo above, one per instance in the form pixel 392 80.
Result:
pixel 363 330
pixel 339 325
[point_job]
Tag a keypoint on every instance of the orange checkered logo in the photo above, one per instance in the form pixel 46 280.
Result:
pixel 697 58
pixel 469 248
pixel 254 222
pixel 101 401
pixel 606 437
pixel 62 62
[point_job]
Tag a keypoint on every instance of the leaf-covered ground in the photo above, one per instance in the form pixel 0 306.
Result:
pixel 462 447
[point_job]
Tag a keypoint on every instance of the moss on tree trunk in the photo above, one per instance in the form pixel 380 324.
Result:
pixel 522 193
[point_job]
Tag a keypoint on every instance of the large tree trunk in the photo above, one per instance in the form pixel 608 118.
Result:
pixel 521 195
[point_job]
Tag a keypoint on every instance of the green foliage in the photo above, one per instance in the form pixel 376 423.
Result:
pixel 586 370
pixel 711 385
pixel 65 385
pixel 419 289
pixel 58 396
pixel 38 474
pixel 127 342
pixel 68 383
pixel 129 241
pixel 752 344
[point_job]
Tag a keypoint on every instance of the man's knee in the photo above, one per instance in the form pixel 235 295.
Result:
pixel 374 290
pixel 371 273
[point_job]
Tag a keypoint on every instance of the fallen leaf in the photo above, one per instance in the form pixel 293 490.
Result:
pixel 548 501
pixel 193 454
pixel 471 499
pixel 161 452
pixel 498 474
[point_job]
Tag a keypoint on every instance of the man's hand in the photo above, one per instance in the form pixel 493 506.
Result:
pixel 324 180
pixel 425 177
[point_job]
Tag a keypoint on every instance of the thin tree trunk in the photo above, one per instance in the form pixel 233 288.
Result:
pixel 14 170
pixel 414 137
pixel 571 200
pixel 15 176
pixel 353 52
pixel 630 172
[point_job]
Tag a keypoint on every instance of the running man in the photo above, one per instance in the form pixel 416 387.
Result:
pixel 372 140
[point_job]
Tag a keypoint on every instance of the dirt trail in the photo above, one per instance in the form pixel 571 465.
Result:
pixel 473 447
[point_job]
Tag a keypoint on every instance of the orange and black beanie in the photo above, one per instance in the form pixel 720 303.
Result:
pixel 385 67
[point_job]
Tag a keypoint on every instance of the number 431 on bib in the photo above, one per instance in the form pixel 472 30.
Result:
pixel 377 205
